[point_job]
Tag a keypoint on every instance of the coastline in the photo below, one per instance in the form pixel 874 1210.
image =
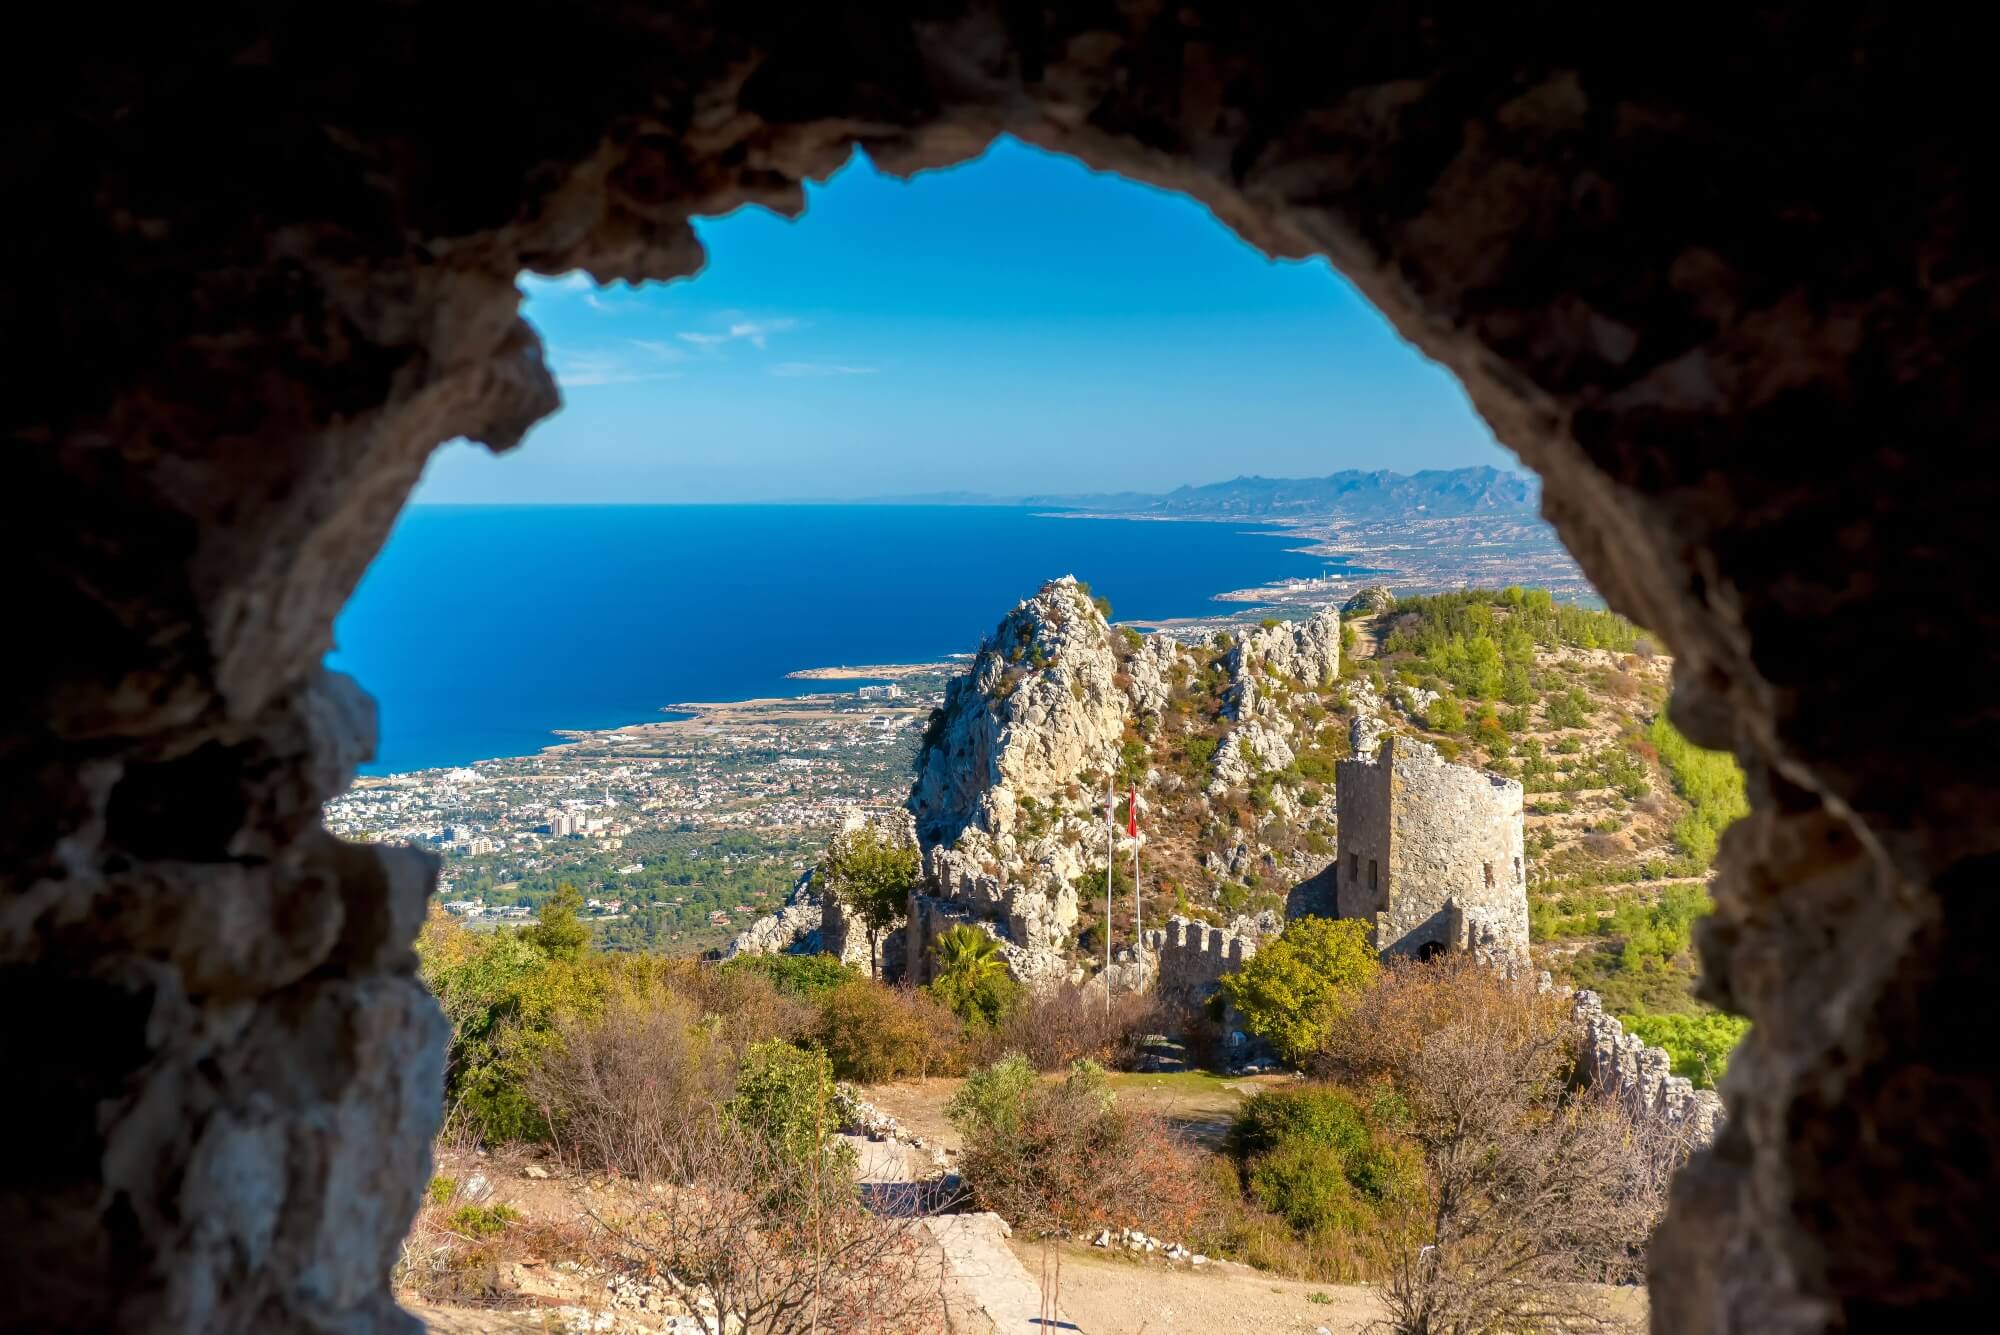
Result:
pixel 1417 553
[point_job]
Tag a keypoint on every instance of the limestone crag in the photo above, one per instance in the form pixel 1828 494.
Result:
pixel 1642 1077
pixel 793 930
pixel 1248 750
pixel 1151 672
pixel 997 806
pixel 1304 654
pixel 1369 601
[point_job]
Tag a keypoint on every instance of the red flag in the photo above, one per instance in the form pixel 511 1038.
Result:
pixel 1132 820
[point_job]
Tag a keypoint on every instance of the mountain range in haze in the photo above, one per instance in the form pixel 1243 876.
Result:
pixel 1349 494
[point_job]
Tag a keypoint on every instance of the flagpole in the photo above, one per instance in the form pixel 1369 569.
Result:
pixel 1138 907
pixel 1110 861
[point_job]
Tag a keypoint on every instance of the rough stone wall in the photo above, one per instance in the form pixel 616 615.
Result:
pixel 1642 1078
pixel 1187 959
pixel 1731 290
pixel 1447 848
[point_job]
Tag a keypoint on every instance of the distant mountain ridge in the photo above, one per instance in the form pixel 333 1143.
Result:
pixel 1352 493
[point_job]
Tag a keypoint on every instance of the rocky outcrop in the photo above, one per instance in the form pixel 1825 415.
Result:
pixel 1251 748
pixel 793 930
pixel 1368 601
pixel 1641 1077
pixel 1006 827
pixel 1301 654
pixel 1151 670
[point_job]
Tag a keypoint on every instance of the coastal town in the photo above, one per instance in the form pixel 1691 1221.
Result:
pixel 675 831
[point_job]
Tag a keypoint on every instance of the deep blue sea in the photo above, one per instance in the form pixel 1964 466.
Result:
pixel 481 628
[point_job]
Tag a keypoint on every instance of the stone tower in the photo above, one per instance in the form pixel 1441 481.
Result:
pixel 1431 853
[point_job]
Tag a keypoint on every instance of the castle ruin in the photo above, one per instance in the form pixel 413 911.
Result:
pixel 1430 853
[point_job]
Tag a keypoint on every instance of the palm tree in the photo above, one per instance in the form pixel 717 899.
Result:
pixel 968 955
pixel 972 975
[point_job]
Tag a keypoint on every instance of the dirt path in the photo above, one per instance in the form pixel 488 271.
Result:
pixel 1200 1105
pixel 984 1280
pixel 1110 1295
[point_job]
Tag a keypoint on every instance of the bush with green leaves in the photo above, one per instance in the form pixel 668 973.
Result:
pixel 801 976
pixel 1699 1042
pixel 1709 781
pixel 784 1096
pixel 1294 989
pixel 1322 1159
pixel 873 876
pixel 971 977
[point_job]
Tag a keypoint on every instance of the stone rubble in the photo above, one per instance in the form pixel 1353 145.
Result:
pixel 1134 1240
pixel 1641 1076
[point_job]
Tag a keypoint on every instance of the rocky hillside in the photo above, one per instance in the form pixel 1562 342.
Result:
pixel 1218 739
pixel 1230 742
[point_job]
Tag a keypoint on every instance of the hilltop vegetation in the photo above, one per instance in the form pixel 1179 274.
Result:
pixel 1623 813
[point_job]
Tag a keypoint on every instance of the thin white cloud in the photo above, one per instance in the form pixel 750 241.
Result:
pixel 820 368
pixel 578 370
pixel 756 333
pixel 666 352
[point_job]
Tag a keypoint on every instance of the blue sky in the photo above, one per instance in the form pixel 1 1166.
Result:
pixel 1014 324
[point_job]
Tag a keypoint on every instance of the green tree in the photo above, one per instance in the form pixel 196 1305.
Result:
pixel 559 932
pixel 1295 989
pixel 1445 714
pixel 972 976
pixel 873 877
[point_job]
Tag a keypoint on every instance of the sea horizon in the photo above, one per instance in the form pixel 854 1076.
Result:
pixel 485 630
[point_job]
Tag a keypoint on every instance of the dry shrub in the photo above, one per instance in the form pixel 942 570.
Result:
pixel 631 1089
pixel 443 1262
pixel 743 1006
pixel 1056 1026
pixel 823 1263
pixel 1410 1000
pixel 1533 1190
pixel 875 1033
pixel 1065 1157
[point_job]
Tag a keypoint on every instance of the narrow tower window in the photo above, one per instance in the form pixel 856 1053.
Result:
pixel 1353 866
pixel 1489 874
pixel 1371 873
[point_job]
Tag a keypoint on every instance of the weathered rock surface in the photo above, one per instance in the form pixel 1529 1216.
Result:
pixel 1641 1077
pixel 1304 654
pixel 793 930
pixel 997 803
pixel 1370 600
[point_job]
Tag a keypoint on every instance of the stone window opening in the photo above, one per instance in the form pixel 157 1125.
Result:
pixel 1517 869
pixel 1487 867
pixel 1354 866
pixel 1371 873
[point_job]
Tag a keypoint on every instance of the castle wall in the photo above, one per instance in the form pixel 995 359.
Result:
pixel 1362 839
pixel 1642 1078
pixel 1450 855
pixel 1189 958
